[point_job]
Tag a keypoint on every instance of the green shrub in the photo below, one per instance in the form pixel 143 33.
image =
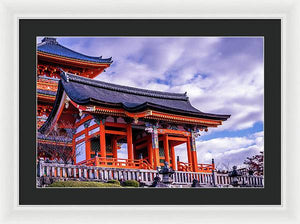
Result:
pixel 82 184
pixel 114 182
pixel 131 183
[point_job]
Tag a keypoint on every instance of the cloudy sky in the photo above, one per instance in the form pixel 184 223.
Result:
pixel 220 75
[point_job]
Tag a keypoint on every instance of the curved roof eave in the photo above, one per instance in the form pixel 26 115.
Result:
pixel 54 110
pixel 74 60
pixel 176 103
pixel 52 47
pixel 181 102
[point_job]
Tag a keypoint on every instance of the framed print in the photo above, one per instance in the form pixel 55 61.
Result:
pixel 96 136
pixel 24 202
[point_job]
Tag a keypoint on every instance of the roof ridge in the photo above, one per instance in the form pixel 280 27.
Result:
pixel 53 41
pixel 93 57
pixel 127 89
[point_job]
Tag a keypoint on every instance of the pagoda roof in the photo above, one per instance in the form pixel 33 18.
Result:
pixel 89 92
pixel 51 46
pixel 85 91
pixel 54 139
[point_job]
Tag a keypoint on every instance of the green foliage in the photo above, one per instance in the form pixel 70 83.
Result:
pixel 131 183
pixel 114 182
pixel 82 184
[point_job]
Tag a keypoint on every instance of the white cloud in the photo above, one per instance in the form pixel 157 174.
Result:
pixel 216 82
pixel 226 151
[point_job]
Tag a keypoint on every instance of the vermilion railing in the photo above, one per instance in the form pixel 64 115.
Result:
pixel 181 166
pixel 117 163
pixel 142 164
pixel 188 167
pixel 206 168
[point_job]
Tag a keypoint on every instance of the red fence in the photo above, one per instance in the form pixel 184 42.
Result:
pixel 187 167
pixel 117 163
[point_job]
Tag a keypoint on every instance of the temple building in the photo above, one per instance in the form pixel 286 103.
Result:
pixel 100 116
pixel 51 58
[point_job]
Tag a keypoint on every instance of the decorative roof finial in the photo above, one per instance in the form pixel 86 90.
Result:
pixel 51 40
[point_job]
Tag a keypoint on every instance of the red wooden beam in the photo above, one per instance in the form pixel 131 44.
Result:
pixel 166 148
pixel 145 138
pixel 180 139
pixel 176 132
pixel 114 147
pixel 119 125
pixel 175 143
pixel 141 145
pixel 113 132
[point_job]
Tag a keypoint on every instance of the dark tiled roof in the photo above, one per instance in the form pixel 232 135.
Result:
pixel 57 138
pixel 88 91
pixel 51 46
pixel 92 83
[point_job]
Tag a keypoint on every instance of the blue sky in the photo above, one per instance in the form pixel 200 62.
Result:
pixel 220 75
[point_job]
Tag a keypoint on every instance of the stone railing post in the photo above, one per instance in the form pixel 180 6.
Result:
pixel 79 172
pixel 74 172
pixel 58 172
pixel 101 174
pixel 96 175
pixel 63 172
pixel 48 171
pixel 85 175
pixel 41 167
pixel 214 177
pixel 69 172
pixel 53 174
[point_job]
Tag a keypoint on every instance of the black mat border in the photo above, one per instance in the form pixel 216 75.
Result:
pixel 30 28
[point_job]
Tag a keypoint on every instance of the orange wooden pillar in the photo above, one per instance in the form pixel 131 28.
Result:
pixel 129 142
pixel 173 157
pixel 114 147
pixel 150 153
pixel 194 153
pixel 87 144
pixel 195 161
pixel 166 148
pixel 189 151
pixel 102 140
pixel 96 160
pixel 156 157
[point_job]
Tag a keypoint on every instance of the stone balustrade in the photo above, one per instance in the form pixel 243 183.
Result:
pixel 68 171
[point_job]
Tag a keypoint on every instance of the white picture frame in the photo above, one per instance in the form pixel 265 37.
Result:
pixel 288 11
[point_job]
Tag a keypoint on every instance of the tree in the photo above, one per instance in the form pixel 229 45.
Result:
pixel 58 147
pixel 256 163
